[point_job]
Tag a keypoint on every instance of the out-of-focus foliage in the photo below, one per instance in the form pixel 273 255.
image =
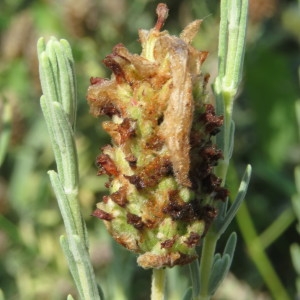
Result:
pixel 32 265
pixel 295 247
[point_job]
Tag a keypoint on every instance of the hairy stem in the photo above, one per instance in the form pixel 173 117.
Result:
pixel 158 284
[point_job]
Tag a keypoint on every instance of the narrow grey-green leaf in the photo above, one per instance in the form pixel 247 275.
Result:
pixel 50 50
pixel 230 246
pixel 222 47
pixel 231 139
pixel 41 46
pixel 217 257
pixel 63 203
pixel 47 110
pixel 64 75
pixel 72 78
pixel 67 144
pixel 219 271
pixel 195 277
pixel 47 78
pixel 67 50
pixel 237 202
pixel 72 264
pixel 63 136
pixel 239 59
pixel 188 295
pixel 85 270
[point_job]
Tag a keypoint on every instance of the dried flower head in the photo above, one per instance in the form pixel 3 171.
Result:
pixel 160 163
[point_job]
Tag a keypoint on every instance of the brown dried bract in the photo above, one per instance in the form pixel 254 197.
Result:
pixel 106 165
pixel 180 211
pixel 221 193
pixel 211 155
pixel 95 80
pixel 119 197
pixel 120 133
pixel 151 174
pixel 135 220
pixel 103 99
pixel 155 142
pixel 167 243
pixel 99 213
pixel 132 160
pixel 208 214
pixel 193 240
pixel 183 211
pixel 110 62
pixel 211 121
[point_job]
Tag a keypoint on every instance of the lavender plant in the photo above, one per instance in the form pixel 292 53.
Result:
pixel 169 156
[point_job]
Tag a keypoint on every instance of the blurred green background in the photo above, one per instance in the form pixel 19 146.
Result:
pixel 32 265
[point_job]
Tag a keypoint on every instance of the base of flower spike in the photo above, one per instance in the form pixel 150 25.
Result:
pixel 149 260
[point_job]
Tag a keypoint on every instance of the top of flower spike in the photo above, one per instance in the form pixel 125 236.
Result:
pixel 162 12
pixel 183 62
pixel 165 56
pixel 148 38
pixel 187 34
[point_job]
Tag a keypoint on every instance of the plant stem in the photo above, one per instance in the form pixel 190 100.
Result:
pixel 277 228
pixel 158 284
pixel 207 257
pixel 257 253
pixel 231 52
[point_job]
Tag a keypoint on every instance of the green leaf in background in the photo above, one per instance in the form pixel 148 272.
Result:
pixel 272 93
pixel 5 127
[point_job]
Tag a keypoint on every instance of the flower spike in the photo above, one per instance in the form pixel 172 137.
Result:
pixel 163 190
